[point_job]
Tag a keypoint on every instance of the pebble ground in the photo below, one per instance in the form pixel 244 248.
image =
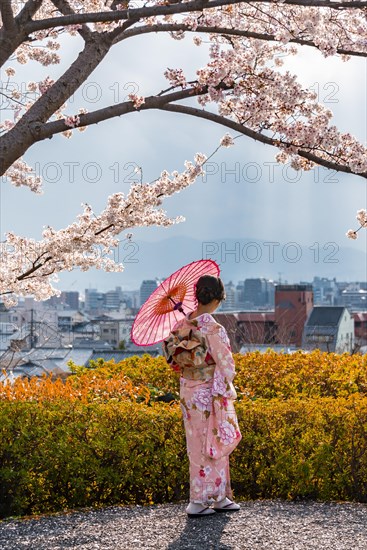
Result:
pixel 275 525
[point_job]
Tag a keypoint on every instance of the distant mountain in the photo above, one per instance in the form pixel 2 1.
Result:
pixel 238 259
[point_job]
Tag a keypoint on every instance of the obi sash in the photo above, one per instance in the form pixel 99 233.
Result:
pixel 202 372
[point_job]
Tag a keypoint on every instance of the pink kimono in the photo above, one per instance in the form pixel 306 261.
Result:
pixel 207 399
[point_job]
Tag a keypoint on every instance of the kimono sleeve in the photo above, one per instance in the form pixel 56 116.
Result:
pixel 224 373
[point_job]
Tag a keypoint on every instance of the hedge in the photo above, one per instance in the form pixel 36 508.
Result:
pixel 315 374
pixel 266 375
pixel 62 455
pixel 103 437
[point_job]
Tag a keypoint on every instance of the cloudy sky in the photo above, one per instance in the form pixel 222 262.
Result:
pixel 245 194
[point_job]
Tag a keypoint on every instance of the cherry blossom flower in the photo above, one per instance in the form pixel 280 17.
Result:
pixel 74 28
pixel 176 77
pixel 45 84
pixel 351 234
pixel 137 100
pixel 72 121
pixel 362 217
pixel 226 141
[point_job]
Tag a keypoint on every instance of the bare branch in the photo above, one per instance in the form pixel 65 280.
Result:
pixel 169 27
pixel 257 136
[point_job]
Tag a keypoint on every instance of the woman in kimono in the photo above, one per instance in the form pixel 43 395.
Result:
pixel 199 348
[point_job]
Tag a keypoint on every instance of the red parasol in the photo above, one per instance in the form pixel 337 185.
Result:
pixel 173 298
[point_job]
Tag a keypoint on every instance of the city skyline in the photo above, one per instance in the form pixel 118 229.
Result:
pixel 235 257
pixel 95 298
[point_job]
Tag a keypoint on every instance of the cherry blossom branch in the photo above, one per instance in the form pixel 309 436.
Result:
pixel 75 246
pixel 171 27
pixel 154 11
pixel 165 103
pixel 133 13
pixel 257 136
pixel 150 103
pixel 362 218
pixel 47 130
pixel 64 7
pixel 289 147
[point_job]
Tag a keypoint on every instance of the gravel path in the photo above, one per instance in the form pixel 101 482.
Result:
pixel 274 525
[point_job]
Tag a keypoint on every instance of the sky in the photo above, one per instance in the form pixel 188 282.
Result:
pixel 245 194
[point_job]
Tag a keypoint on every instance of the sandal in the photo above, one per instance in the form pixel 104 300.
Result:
pixel 230 507
pixel 202 513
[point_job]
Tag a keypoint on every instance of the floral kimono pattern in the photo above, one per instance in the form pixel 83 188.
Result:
pixel 210 420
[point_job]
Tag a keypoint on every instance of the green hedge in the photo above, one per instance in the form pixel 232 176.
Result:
pixel 258 375
pixel 302 448
pixel 55 456
pixel 68 454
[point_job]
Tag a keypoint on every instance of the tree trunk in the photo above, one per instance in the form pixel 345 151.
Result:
pixel 16 142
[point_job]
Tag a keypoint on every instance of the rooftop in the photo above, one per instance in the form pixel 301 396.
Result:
pixel 325 316
pixel 293 287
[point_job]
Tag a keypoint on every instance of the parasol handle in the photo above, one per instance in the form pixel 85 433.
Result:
pixel 177 305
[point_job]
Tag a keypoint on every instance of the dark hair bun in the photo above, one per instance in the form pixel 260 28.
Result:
pixel 205 295
pixel 209 288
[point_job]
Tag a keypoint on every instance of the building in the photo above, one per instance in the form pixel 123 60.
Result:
pixel 255 292
pixel 229 304
pixel 132 299
pixel 146 289
pixel 293 305
pixel 113 299
pixel 94 300
pixel 70 298
pixel 354 297
pixel 270 294
pixel 69 319
pixel 240 296
pixel 248 328
pixel 258 293
pixel 40 361
pixel 329 329
pixel 282 326
pixel 325 291
pixel 256 327
pixel 7 330
pixel 115 331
